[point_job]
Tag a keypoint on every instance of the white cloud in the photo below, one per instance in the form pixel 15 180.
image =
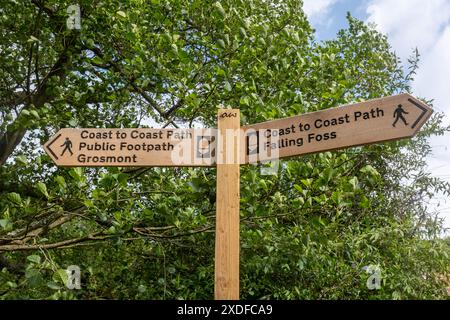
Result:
pixel 425 25
pixel 433 77
pixel 410 23
pixel 421 24
pixel 318 10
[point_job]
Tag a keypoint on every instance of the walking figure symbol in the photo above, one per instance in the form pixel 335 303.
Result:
pixel 398 115
pixel 67 146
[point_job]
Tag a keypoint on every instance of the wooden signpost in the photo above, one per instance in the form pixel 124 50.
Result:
pixel 368 122
pixel 132 147
pixel 227 206
pixel 230 146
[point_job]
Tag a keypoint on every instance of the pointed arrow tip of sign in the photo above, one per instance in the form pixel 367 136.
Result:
pixel 427 111
pixel 48 144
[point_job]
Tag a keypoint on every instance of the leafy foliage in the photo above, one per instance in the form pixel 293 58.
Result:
pixel 148 233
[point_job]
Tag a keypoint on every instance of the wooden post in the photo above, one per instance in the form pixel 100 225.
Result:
pixel 227 206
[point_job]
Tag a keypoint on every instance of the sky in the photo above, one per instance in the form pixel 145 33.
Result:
pixel 424 24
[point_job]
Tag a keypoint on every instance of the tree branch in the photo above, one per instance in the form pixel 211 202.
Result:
pixel 61 244
pixel 13 136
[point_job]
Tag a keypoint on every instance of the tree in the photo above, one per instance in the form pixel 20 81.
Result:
pixel 149 232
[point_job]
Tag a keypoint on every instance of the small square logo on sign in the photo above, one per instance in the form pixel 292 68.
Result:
pixel 253 143
pixel 205 147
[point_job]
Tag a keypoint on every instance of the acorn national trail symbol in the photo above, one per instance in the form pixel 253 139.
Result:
pixel 230 146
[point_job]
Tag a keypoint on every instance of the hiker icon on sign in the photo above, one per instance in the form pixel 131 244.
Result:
pixel 398 115
pixel 67 146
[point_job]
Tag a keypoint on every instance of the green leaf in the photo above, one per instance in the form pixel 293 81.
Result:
pixel 61 276
pixel 77 174
pixel 14 198
pixel 122 178
pixel 22 160
pixel 368 169
pixel 97 60
pixel 300 265
pixel 364 203
pixel 321 221
pixel 306 182
pixel 227 86
pixel 261 41
pixel 4 223
pixel 60 181
pixel 53 285
pixel 42 189
pixel 244 101
pixel 262 184
pixel 33 277
pixel 243 32
pixel 142 288
pixel 221 72
pixel 354 183
pixel 35 114
pixel 219 9
pixel 299 201
pixel 221 43
pixel 6 213
pixel 88 203
pixel 121 14
pixel 147 214
pixel 174 48
pixel 34 258
pixel 90 43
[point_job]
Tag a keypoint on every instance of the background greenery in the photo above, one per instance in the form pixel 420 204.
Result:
pixel 148 233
